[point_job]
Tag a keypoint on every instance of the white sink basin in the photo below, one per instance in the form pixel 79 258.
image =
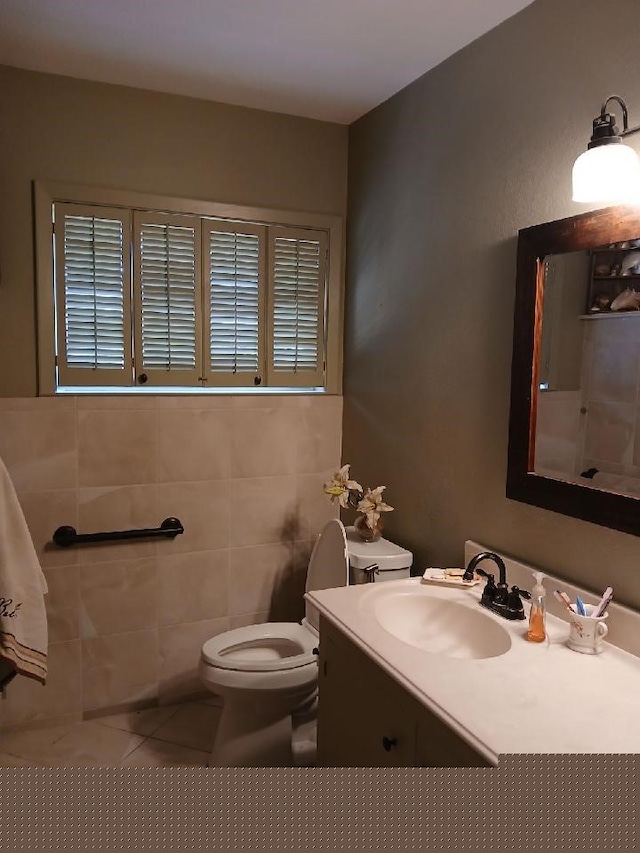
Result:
pixel 439 626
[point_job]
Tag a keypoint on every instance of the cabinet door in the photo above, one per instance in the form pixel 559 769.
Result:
pixel 364 718
pixel 438 746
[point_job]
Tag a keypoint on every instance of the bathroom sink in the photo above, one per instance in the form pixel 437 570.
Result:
pixel 449 628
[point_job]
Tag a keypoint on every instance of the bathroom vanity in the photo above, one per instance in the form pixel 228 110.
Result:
pixel 416 675
pixel 366 718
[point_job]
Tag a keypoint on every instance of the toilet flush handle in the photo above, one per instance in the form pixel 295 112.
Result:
pixel 371 571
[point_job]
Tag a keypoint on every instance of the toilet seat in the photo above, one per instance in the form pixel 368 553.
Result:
pixel 268 647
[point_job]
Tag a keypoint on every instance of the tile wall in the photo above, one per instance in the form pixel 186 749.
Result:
pixel 557 432
pixel 611 394
pixel 127 620
pixel 597 425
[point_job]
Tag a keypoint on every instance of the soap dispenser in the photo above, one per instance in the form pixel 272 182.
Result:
pixel 537 632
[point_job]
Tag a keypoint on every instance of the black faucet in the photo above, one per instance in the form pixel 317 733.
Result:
pixel 497 597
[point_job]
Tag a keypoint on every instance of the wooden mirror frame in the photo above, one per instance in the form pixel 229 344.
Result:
pixel 582 232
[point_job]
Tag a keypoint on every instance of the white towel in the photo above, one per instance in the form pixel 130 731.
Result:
pixel 23 619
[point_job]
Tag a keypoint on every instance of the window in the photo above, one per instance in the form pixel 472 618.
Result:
pixel 137 292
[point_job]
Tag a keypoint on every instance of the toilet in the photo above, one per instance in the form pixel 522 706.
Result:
pixel 267 674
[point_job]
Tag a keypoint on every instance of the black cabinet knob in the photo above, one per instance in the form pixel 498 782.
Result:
pixel 142 378
pixel 388 743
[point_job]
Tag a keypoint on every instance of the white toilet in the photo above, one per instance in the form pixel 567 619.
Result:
pixel 267 674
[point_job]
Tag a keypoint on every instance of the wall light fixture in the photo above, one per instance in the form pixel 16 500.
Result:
pixel 608 171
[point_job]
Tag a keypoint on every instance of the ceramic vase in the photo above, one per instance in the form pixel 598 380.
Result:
pixel 365 532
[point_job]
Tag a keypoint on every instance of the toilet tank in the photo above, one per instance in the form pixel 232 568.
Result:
pixel 340 557
pixel 393 562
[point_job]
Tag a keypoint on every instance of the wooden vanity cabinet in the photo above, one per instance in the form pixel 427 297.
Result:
pixel 367 719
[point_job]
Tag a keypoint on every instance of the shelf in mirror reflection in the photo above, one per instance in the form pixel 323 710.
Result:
pixel 602 315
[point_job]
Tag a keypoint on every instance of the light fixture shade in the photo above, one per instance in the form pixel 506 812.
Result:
pixel 607 173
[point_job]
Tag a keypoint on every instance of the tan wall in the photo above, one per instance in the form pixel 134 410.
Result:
pixel 441 177
pixel 127 620
pixel 59 129
pixel 244 474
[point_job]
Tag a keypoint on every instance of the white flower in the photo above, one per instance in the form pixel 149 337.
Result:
pixel 340 486
pixel 372 505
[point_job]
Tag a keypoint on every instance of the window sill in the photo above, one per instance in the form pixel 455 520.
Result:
pixel 173 390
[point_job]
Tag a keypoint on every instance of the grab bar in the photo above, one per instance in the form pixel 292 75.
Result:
pixel 67 536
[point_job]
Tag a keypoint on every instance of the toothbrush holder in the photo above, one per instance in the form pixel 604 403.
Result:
pixel 587 633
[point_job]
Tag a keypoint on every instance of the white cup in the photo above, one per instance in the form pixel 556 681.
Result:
pixel 586 633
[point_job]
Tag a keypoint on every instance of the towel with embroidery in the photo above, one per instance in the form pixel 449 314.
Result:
pixel 23 619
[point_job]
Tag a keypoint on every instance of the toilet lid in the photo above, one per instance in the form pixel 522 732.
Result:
pixel 328 566
pixel 262 648
pixel 329 563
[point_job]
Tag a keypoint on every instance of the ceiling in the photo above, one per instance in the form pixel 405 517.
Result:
pixel 326 59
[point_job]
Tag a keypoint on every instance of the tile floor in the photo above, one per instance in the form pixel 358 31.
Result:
pixel 169 736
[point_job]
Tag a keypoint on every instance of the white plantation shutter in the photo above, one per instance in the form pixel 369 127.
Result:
pixel 296 308
pixel 147 298
pixel 234 302
pixel 92 281
pixel 167 299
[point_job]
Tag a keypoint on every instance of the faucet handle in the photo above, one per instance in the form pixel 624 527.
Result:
pixel 513 603
pixel 490 588
pixel 514 599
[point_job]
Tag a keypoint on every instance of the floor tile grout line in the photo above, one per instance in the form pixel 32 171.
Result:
pixel 180 744
pixel 155 708
pixel 135 749
pixel 203 752
pixel 70 727
pixel 178 708
pixel 32 762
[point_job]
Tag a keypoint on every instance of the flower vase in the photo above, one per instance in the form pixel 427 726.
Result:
pixel 365 532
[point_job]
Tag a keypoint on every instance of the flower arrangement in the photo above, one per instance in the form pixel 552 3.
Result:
pixel 369 502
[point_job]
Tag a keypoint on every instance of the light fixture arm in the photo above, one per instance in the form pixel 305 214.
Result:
pixel 606 119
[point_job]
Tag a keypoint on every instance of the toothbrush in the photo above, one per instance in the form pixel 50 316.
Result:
pixel 602 605
pixel 580 606
pixel 564 598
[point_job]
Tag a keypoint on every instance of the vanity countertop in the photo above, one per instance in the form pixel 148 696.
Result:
pixel 536 698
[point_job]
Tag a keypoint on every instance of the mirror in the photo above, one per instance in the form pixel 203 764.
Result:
pixel 574 430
